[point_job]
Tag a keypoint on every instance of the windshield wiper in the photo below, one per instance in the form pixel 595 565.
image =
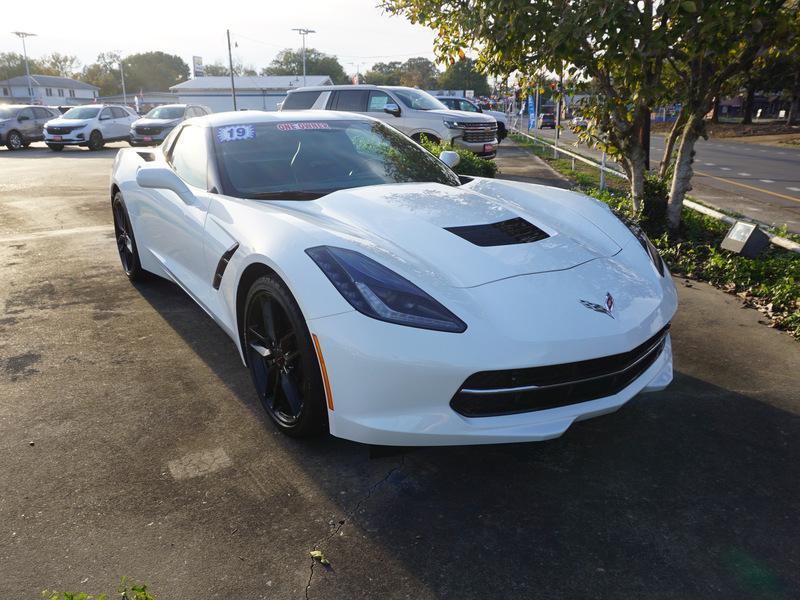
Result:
pixel 290 195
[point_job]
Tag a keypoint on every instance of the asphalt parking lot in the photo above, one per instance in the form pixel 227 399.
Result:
pixel 133 444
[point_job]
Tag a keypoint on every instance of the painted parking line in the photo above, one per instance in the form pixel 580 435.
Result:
pixel 710 164
pixel 751 187
pixel 725 168
pixel 744 174
pixel 766 181
pixel 793 189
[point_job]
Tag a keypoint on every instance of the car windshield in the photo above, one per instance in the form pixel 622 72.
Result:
pixel 166 112
pixel 418 100
pixel 81 112
pixel 8 113
pixel 304 160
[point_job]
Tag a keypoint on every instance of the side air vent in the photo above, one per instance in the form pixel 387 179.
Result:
pixel 504 233
pixel 223 264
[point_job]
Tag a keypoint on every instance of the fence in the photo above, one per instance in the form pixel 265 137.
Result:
pixel 604 169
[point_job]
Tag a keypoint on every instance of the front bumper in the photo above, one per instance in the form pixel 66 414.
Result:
pixel 67 139
pixel 393 385
pixel 151 140
pixel 482 149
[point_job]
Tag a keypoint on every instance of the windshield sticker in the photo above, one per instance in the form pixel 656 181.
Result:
pixel 235 133
pixel 303 125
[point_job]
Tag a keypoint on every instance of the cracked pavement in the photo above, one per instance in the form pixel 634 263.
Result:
pixel 133 444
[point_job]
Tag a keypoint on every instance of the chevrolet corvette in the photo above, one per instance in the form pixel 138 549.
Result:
pixel 374 293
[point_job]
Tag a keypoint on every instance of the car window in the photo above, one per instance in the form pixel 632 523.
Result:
pixel 119 113
pixel 418 99
pixel 300 100
pixel 82 112
pixel 351 100
pixel 106 113
pixel 303 160
pixel 42 113
pixel 377 100
pixel 188 156
pixel 467 106
pixel 25 112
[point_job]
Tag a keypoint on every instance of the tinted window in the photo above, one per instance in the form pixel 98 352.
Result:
pixel 377 100
pixel 25 112
pixel 119 113
pixel 166 112
pixel 417 99
pixel 300 100
pixel 467 106
pixel 188 156
pixel 43 113
pixel 8 113
pixel 351 100
pixel 303 160
pixel 81 112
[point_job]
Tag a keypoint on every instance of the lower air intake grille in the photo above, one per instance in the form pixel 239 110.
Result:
pixel 504 233
pixel 493 393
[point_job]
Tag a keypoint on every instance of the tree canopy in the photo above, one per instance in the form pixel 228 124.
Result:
pixel 148 71
pixel 290 62
pixel 463 75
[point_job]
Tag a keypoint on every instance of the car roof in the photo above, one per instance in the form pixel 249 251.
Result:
pixel 360 86
pixel 243 117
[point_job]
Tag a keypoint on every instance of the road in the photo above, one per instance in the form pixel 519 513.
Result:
pixel 133 444
pixel 759 181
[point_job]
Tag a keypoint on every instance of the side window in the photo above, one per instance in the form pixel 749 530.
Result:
pixel 188 156
pixel 25 114
pixel 352 100
pixel 119 113
pixel 106 114
pixel 300 100
pixel 42 113
pixel 191 111
pixel 377 100
pixel 467 106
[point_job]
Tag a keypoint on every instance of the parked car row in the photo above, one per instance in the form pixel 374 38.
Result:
pixel 91 125
pixel 467 105
pixel 412 111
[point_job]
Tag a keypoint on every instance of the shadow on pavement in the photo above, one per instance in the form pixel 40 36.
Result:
pixel 693 492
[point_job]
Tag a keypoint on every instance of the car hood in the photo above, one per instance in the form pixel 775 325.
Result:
pixel 499 116
pixel 461 115
pixel 405 227
pixel 58 122
pixel 145 122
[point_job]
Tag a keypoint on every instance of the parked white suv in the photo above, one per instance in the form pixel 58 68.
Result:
pixel 91 125
pixel 467 105
pixel 412 111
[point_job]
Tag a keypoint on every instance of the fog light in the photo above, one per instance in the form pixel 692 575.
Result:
pixel 745 239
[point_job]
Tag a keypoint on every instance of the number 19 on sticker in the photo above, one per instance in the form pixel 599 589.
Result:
pixel 235 133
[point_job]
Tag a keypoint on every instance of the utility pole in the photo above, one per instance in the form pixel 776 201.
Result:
pixel 357 65
pixel 22 35
pixel 230 65
pixel 304 32
pixel 122 75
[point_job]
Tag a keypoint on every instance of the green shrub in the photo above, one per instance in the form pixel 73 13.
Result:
pixel 127 590
pixel 470 163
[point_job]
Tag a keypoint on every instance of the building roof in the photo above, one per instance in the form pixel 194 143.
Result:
pixel 49 81
pixel 268 82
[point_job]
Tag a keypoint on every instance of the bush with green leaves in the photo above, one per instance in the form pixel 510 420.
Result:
pixel 470 163
pixel 127 590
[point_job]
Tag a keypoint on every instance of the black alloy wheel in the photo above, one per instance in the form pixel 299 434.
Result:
pixel 96 141
pixel 126 243
pixel 14 140
pixel 282 360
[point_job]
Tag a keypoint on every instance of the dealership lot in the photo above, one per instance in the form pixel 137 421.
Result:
pixel 133 445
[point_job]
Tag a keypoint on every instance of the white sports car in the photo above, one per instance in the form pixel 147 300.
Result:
pixel 372 291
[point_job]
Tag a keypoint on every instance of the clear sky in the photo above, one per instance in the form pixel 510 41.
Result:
pixel 353 30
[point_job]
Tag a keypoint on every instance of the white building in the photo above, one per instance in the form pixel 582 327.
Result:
pixel 47 89
pixel 253 93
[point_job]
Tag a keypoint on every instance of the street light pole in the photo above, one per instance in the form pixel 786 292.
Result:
pixel 122 75
pixel 304 32
pixel 22 35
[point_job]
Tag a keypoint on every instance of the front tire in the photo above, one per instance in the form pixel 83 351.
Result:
pixel 96 141
pixel 126 242
pixel 14 141
pixel 282 361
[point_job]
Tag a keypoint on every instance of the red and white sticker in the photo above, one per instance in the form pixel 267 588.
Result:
pixel 303 125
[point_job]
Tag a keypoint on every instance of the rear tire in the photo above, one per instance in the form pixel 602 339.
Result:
pixel 282 360
pixel 14 140
pixel 96 141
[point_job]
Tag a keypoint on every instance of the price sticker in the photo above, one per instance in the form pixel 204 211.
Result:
pixel 235 133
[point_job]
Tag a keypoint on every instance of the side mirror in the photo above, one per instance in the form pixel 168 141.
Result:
pixel 160 178
pixel 450 158
pixel 392 109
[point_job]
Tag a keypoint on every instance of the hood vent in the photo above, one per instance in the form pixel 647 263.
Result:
pixel 504 233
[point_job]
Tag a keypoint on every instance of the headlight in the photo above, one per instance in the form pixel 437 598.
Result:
pixel 451 124
pixel 648 246
pixel 380 293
